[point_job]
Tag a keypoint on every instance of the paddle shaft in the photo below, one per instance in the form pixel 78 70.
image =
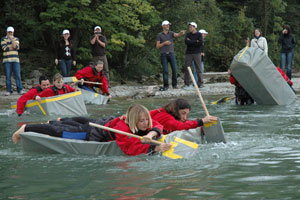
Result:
pixel 121 132
pixel 96 83
pixel 198 91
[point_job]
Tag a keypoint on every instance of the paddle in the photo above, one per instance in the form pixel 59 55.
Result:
pixel 213 131
pixel 180 148
pixel 73 79
pixel 222 100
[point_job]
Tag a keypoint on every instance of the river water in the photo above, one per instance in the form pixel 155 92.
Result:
pixel 261 160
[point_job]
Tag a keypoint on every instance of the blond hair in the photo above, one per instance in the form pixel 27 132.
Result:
pixel 57 76
pixel 133 116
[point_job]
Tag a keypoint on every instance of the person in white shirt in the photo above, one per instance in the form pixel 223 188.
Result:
pixel 259 41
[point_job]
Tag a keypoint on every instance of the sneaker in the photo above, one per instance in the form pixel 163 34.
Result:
pixel 7 93
pixel 175 87
pixel 22 92
pixel 163 88
pixel 187 87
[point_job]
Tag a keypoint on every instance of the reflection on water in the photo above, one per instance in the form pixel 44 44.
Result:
pixel 260 161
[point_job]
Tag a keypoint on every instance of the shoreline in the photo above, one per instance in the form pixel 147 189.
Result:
pixel 215 83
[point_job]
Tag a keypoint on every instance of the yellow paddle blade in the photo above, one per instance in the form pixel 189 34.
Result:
pixel 170 153
pixel 210 124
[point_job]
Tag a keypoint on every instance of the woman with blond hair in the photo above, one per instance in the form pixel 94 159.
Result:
pixel 137 121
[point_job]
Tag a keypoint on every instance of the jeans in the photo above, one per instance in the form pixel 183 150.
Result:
pixel 194 71
pixel 165 58
pixel 65 66
pixel 14 67
pixel 287 59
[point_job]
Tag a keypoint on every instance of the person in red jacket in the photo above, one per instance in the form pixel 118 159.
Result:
pixel 241 95
pixel 58 88
pixel 30 95
pixel 174 116
pixel 286 78
pixel 136 121
pixel 93 74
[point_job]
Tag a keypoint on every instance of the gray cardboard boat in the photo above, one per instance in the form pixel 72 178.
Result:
pixel 93 98
pixel 70 104
pixel 41 143
pixel 256 73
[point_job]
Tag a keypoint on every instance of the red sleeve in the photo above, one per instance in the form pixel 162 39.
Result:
pixel 70 89
pixel 286 78
pixel 169 122
pixel 30 95
pixel 86 72
pixel 233 80
pixel 104 86
pixel 47 93
pixel 129 145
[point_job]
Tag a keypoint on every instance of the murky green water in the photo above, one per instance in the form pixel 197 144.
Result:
pixel 260 161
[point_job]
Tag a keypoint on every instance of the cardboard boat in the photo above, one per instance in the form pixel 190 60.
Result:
pixel 70 104
pixel 256 73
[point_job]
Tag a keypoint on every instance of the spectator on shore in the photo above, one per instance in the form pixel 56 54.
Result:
pixel 165 42
pixel 10 46
pixel 194 42
pixel 259 41
pixel 65 53
pixel 287 42
pixel 204 34
pixel 44 83
pixel 98 44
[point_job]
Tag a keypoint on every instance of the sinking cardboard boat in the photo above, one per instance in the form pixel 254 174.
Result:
pixel 70 104
pixel 41 143
pixel 256 73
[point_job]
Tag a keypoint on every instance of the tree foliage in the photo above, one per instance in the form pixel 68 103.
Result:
pixel 131 27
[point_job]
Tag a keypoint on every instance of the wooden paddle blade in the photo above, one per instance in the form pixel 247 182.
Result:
pixel 72 79
pixel 214 132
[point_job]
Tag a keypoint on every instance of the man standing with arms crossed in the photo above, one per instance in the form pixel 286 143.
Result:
pixel 165 42
pixel 194 43
pixel 10 46
pixel 98 44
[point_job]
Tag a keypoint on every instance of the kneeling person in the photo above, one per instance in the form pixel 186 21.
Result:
pixel 93 74
pixel 32 93
pixel 58 88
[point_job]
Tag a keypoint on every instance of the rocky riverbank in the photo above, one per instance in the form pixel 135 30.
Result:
pixel 215 83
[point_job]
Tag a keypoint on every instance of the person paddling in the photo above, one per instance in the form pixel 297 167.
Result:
pixel 174 116
pixel 44 83
pixel 93 74
pixel 58 88
pixel 137 121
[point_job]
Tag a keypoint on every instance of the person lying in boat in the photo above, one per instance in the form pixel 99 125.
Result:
pixel 241 96
pixel 58 88
pixel 137 121
pixel 44 83
pixel 93 74
pixel 174 116
pixel 286 78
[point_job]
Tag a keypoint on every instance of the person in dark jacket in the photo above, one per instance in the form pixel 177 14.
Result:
pixel 32 93
pixel 288 43
pixel 65 53
pixel 93 74
pixel 194 42
pixel 136 121
pixel 174 116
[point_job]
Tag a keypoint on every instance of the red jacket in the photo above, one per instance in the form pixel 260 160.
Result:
pixel 90 74
pixel 233 81
pixel 169 122
pixel 130 145
pixel 53 91
pixel 30 95
pixel 286 78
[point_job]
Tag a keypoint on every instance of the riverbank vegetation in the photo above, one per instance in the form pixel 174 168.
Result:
pixel 131 27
